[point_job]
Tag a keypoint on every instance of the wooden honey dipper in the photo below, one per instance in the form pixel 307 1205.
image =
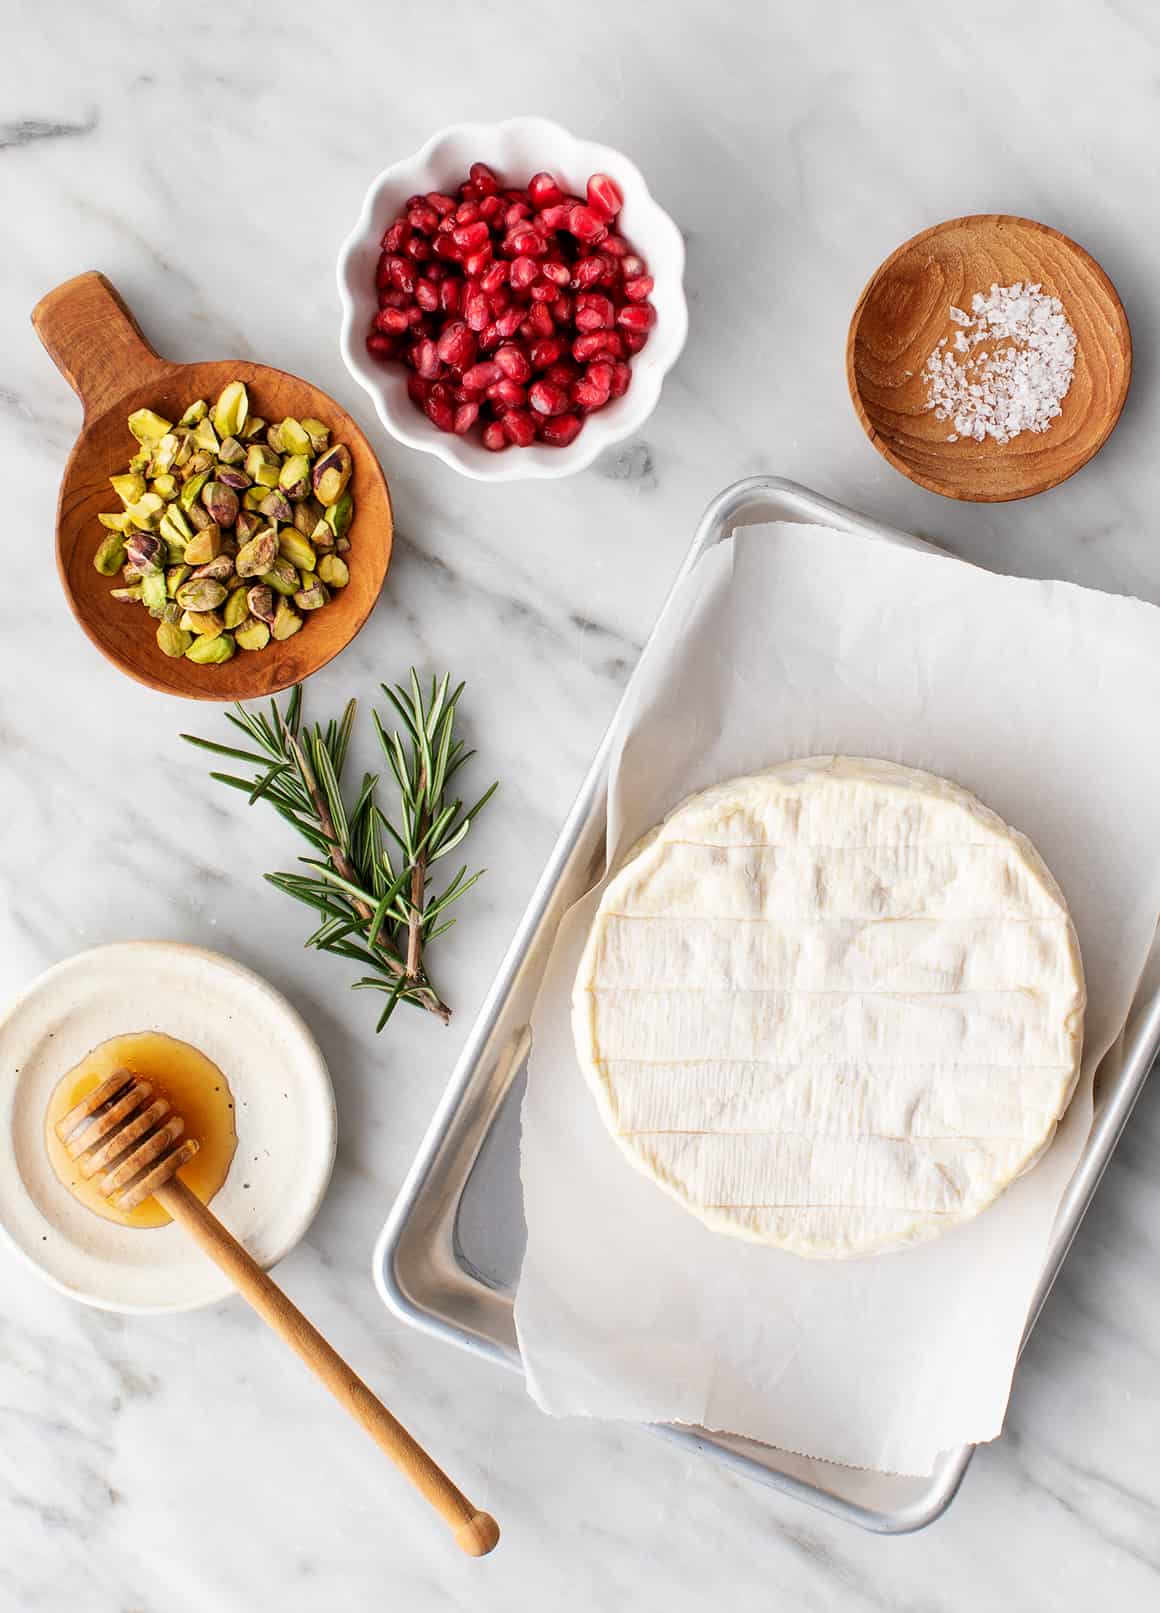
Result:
pixel 127 1137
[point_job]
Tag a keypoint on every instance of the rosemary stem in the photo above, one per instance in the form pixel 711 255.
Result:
pixel 418 886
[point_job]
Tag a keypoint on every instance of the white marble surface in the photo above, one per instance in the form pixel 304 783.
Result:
pixel 210 160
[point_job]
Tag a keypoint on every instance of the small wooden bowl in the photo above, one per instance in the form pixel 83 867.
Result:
pixel 94 341
pixel 903 313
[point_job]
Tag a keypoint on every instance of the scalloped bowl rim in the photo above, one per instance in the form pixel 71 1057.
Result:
pixel 660 243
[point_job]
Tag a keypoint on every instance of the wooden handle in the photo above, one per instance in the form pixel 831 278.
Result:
pixel 95 342
pixel 475 1532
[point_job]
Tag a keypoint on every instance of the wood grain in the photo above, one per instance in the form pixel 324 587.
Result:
pixel 474 1532
pixel 902 314
pixel 96 344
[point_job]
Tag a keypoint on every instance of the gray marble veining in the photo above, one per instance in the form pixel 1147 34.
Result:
pixel 210 162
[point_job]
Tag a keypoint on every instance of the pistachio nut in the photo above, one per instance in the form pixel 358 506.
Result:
pixel 174 578
pixel 231 452
pixel 260 601
pixel 127 596
pixel 277 506
pixel 342 545
pixel 262 465
pixel 164 454
pixel 295 548
pixel 117 523
pixel 334 571
pixel 206 623
pixel 220 569
pixel 110 555
pixel 139 463
pixel 173 640
pixel 221 502
pixel 154 593
pixel 331 474
pixel 286 621
pixel 200 461
pixel 174 527
pixel 192 488
pixel 252 498
pixel 340 515
pixel 232 478
pixel 231 409
pixel 319 435
pixel 247 524
pixel 186 447
pixel 200 594
pixel 172 613
pixel 322 537
pixel 282 577
pixel 147 510
pixel 128 488
pixel 147 427
pixel 307 516
pixel 252 634
pixel 296 439
pixel 236 608
pixel 257 556
pixel 132 573
pixel 312 598
pixel 253 427
pixel 164 486
pixel 294 477
pixel 210 651
pixel 206 437
pixel 204 545
pixel 196 411
pixel 145 551
pixel 200 518
pixel 274 438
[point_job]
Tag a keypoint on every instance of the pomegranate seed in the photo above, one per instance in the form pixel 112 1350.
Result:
pixel 439 411
pixel 596 344
pixel 465 417
pixel 631 266
pixel 499 300
pixel 546 398
pixel 584 224
pixel 594 312
pixel 398 272
pixel 480 376
pixel 426 359
pixel 587 272
pixel 475 308
pixel 555 271
pixel 423 218
pixel 383 271
pixel 469 192
pixel 604 196
pixel 476 262
pixel 508 393
pixel 543 292
pixel 600 375
pixel 380 346
pixel 589 397
pixel 639 316
pixel 494 276
pixel 523 271
pixel 445 247
pixel 515 214
pixel 509 322
pixel 417 390
pixel 544 191
pixel 513 361
pixel 556 217
pixel 392 321
pixel 616 246
pixel 419 250
pixel 564 374
pixel 562 309
pixel 393 299
pixel 449 296
pixel 442 204
pixel 561 430
pixel 540 319
pixel 471 236
pixel 519 427
pixel 437 271
pixel 634 340
pixel 489 338
pixel 397 236
pixel 545 352
pixel 483 179
pixel 456 345
pixel 495 438
pixel 490 207
pixel 639 287
pixel 427 295
pixel 467 212
pixel 621 376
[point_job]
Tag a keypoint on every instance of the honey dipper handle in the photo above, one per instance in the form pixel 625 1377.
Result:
pixel 95 342
pixel 475 1532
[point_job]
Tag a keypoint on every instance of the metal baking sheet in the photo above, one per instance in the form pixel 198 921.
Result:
pixel 448 1258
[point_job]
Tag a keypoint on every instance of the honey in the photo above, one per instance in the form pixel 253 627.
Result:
pixel 197 1091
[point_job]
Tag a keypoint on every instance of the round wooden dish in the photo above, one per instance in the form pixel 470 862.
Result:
pixel 94 341
pixel 903 313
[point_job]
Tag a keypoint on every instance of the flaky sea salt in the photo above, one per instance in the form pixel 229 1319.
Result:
pixel 988 390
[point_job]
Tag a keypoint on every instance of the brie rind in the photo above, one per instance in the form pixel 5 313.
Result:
pixel 836 1007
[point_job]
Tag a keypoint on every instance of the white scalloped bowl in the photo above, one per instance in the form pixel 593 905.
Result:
pixel 516 150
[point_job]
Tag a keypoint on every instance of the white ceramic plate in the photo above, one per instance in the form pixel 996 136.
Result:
pixel 284 1108
pixel 516 150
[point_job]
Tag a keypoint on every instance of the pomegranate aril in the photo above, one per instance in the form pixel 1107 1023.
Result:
pixel 483 178
pixel 494 276
pixel 423 218
pixel 380 346
pixel 558 273
pixel 449 294
pixel 600 375
pixel 390 298
pixel 499 300
pixel 584 224
pixel 556 217
pixel 456 345
pixel 545 352
pixel 392 321
pixel 639 287
pixel 480 376
pixel 604 197
pixel 519 427
pixel 418 390
pixel 594 312
pixel 560 430
pixel 542 291
pixel 621 376
pixel 637 316
pixel 630 266
pixel 587 272
pixel 490 207
pixel 589 397
pixel 489 338
pixel 597 344
pixel 397 236
pixel 425 357
pixel 439 411
pixel 540 319
pixel 515 214
pixel 427 295
pixel 495 438
pixel 476 262
pixel 513 362
pixel 509 322
pixel 466 213
pixel 465 417
pixel 634 340
pixel 562 309
pixel 471 236
pixel 383 271
pixel 564 373
pixel 543 190
pixel 476 310
pixel 524 271
pixel 547 398
pixel 616 246
pixel 419 249
pixel 442 203
pixel 508 393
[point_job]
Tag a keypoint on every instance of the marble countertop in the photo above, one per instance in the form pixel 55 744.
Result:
pixel 210 161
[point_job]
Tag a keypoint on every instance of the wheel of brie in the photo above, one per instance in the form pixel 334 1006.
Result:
pixel 836 1007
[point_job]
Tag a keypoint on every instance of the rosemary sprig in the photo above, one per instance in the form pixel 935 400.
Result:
pixel 373 912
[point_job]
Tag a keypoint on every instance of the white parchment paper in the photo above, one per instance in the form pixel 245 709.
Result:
pixel 1041 698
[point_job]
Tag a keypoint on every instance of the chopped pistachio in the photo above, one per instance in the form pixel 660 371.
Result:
pixel 154 595
pixel 312 598
pixel 117 523
pixel 190 490
pixel 229 476
pixel 296 439
pixel 174 527
pixel 210 651
pixel 221 502
pixel 204 545
pixel 110 557
pixel 319 435
pixel 236 608
pixel 147 427
pixel 295 548
pixel 164 454
pixel 128 488
pixel 146 552
pixel 247 523
pixel 282 577
pixel 277 506
pixel 147 510
pixel 322 537
pixel 219 569
pixel 174 577
pixel 262 465
pixel 334 571
pixel 286 622
pixel 205 622
pixel 260 601
pixel 294 477
pixel 340 515
pixel 274 438
pixel 231 452
pixel 139 463
pixel 332 473
pixel 200 594
pixel 256 557
pixel 128 596
pixel 253 427
pixel 173 640
pixel 206 437
pixel 342 545
pixel 200 518
pixel 307 517
pixel 196 411
pixel 252 498
pixel 185 448
pixel 231 409
pixel 165 486
pixel 199 462
pixel 252 634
